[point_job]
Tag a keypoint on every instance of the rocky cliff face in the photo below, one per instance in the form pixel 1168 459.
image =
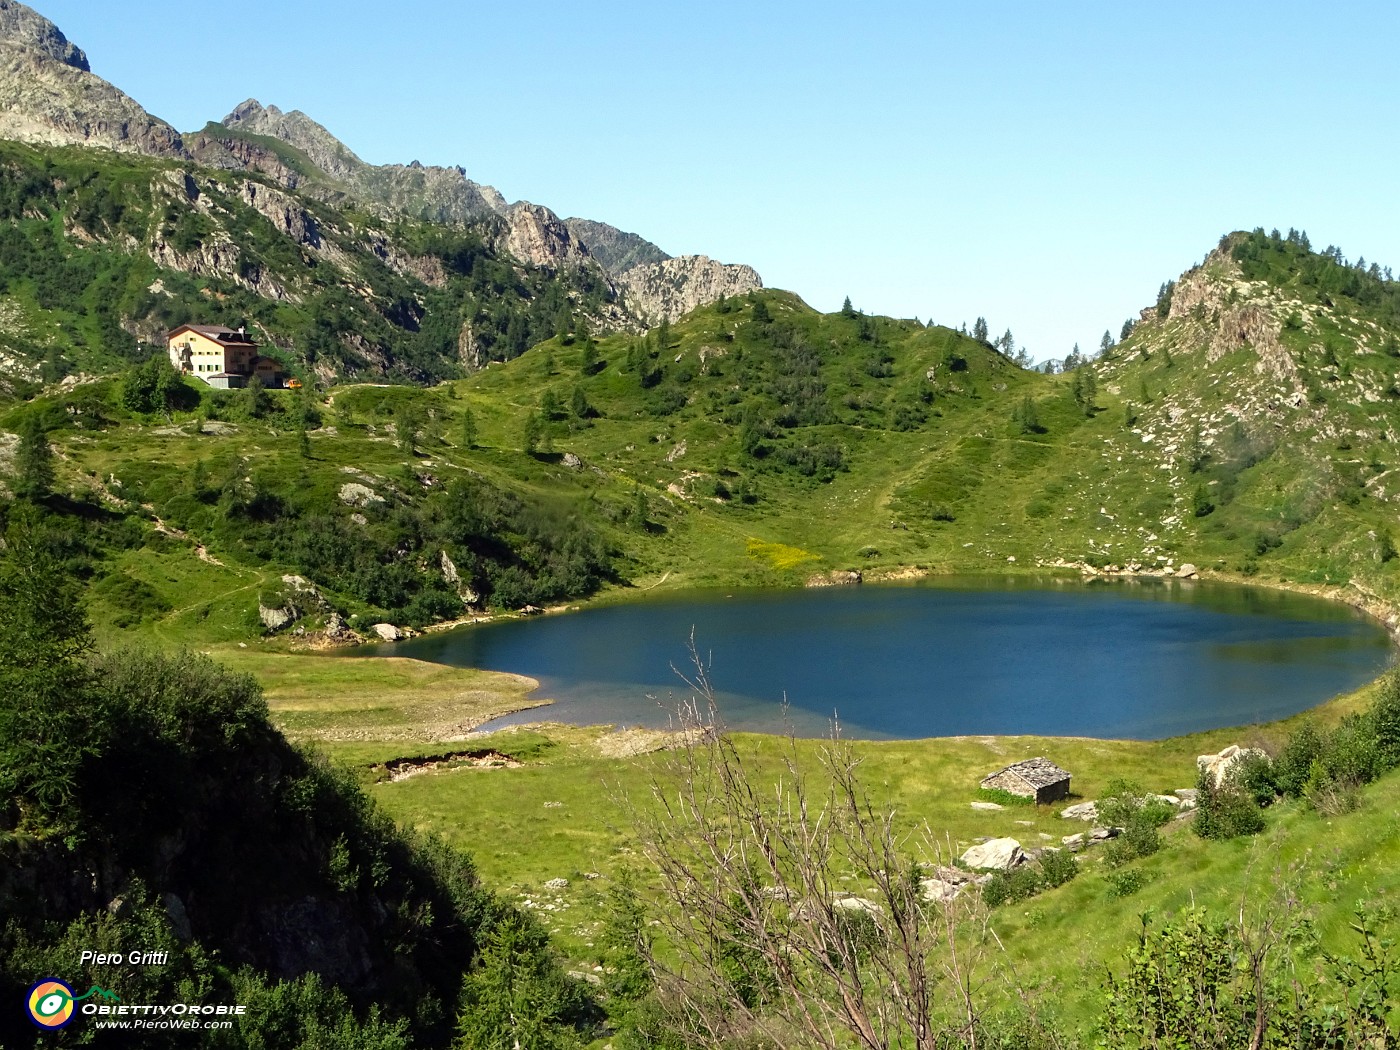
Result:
pixel 1229 313
pixel 534 235
pixel 22 26
pixel 667 290
pixel 51 97
pixel 614 248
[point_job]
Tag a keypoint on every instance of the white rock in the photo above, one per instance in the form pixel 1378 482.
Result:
pixel 557 884
pixel 1001 854
pixel 353 494
pixel 856 904
pixel 937 890
pixel 1081 811
pixel 988 806
pixel 387 631
pixel 1218 765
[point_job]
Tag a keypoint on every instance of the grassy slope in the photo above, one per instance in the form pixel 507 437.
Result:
pixel 564 814
pixel 1299 494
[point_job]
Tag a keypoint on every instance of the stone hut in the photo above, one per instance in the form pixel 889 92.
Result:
pixel 1036 778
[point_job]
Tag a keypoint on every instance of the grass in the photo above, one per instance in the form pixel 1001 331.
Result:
pixel 369 710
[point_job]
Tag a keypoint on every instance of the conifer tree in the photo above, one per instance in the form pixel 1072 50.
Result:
pixel 33 462
pixel 468 428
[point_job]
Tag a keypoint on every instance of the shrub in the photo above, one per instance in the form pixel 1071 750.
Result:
pixel 1058 867
pixel 1293 764
pixel 1226 811
pixel 1008 887
pixel 1126 882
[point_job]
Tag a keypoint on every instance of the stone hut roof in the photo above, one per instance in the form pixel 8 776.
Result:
pixel 1037 772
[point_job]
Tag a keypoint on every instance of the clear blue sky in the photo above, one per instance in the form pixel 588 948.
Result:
pixel 1046 165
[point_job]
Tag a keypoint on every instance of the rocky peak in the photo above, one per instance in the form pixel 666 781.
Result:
pixel 53 99
pixel 24 27
pixel 1230 314
pixel 671 288
pixel 536 236
pixel 297 129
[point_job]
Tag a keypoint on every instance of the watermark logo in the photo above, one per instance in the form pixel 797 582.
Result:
pixel 51 1002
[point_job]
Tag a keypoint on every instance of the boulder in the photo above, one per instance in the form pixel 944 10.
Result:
pixel 557 884
pixel 1081 811
pixel 1102 834
pixel 275 619
pixel 387 631
pixel 353 494
pixel 936 890
pixel 1073 842
pixel 1186 572
pixel 1218 766
pixel 986 806
pixel 998 854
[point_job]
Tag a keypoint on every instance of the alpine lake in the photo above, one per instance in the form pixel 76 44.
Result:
pixel 941 656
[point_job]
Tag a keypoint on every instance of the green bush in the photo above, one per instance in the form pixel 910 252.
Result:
pixel 1225 812
pixel 1008 887
pixel 1058 866
pixel 1125 882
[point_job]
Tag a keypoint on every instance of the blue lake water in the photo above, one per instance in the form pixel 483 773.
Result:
pixel 948 656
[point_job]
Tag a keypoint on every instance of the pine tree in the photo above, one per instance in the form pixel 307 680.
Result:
pixel 847 310
pixel 47 723
pixel 579 405
pixel 468 428
pixel 979 329
pixel 533 429
pixel 1106 345
pixel 1127 330
pixel 33 462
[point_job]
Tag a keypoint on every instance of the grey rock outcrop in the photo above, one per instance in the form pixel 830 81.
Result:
pixel 387 632
pixel 1081 811
pixel 299 596
pixel 353 494
pixel 670 289
pixel 53 99
pixel 440 194
pixel 534 235
pixel 22 26
pixel 615 249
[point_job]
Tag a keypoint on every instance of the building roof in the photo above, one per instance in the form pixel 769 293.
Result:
pixel 216 332
pixel 1037 772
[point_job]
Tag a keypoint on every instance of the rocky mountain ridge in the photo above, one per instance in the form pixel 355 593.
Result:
pixel 55 100
pixel 52 98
